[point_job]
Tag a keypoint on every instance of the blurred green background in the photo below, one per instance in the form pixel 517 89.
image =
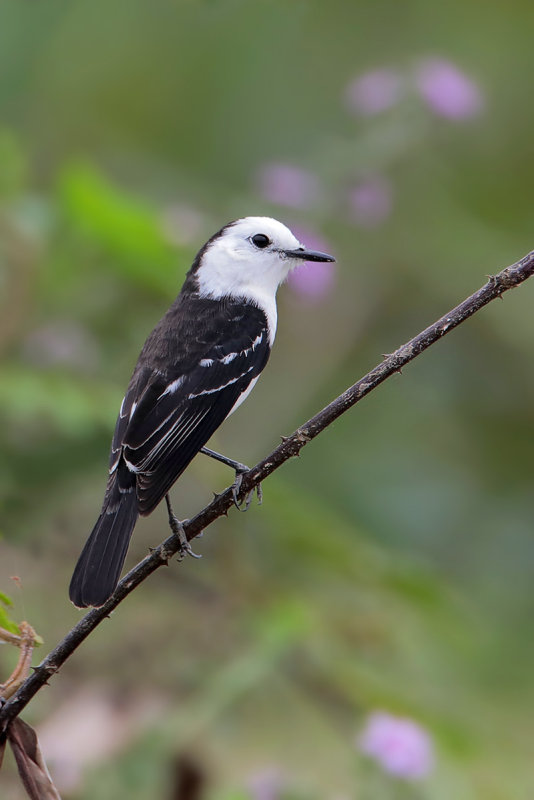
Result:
pixel 389 569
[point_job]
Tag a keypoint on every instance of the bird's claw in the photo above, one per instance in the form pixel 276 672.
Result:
pixel 185 548
pixel 236 486
pixel 244 504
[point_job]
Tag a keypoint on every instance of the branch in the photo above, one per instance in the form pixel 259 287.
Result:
pixel 291 446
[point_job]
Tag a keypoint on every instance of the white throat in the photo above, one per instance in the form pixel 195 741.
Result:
pixel 234 266
pixel 213 283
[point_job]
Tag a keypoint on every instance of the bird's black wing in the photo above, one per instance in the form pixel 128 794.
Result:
pixel 167 417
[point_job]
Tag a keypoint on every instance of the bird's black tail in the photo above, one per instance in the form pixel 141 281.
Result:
pixel 99 567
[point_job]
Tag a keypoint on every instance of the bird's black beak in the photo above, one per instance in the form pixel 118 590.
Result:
pixel 308 255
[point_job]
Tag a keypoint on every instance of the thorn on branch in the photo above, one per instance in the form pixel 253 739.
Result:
pixel 385 357
pixel 496 281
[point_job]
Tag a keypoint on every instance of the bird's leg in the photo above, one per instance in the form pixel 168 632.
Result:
pixel 240 469
pixel 177 528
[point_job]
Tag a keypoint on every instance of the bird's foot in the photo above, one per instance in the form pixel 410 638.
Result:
pixel 245 503
pixel 177 527
pixel 185 548
pixel 240 470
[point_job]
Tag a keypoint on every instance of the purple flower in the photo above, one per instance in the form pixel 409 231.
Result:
pixel 370 201
pixel 266 784
pixel 374 91
pixel 287 185
pixel 446 90
pixel 401 746
pixel 313 280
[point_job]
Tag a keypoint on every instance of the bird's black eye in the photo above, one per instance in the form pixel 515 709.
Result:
pixel 261 240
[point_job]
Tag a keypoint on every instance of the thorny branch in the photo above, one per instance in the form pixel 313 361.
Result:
pixel 496 285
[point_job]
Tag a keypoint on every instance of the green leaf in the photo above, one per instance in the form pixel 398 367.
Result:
pixel 122 224
pixel 5 620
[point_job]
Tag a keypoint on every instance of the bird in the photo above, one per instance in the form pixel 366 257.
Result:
pixel 197 366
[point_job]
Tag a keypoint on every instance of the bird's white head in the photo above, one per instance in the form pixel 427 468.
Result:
pixel 250 258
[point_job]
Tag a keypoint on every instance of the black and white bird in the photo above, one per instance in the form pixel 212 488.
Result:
pixel 197 366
